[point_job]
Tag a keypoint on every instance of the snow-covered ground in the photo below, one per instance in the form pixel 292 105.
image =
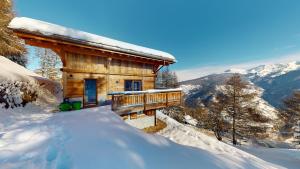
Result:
pixel 98 138
pixel 248 157
pixel 93 138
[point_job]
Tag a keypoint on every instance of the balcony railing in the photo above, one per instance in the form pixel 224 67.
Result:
pixel 134 101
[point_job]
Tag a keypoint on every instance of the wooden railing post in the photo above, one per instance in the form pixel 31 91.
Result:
pixel 167 99
pixel 113 102
pixel 145 101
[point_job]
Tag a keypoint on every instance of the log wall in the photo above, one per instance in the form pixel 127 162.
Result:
pixel 110 74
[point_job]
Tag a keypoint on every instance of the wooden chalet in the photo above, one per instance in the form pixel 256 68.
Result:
pixel 97 69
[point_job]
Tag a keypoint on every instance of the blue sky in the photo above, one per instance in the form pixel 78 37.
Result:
pixel 204 35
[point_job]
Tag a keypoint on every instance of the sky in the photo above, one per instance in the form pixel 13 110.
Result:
pixel 205 36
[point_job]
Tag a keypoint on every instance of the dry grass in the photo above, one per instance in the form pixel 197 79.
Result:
pixel 154 129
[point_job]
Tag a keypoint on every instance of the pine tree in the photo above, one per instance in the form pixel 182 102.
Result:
pixel 10 45
pixel 49 63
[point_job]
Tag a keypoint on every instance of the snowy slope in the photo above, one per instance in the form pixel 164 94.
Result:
pixel 12 71
pixel 50 92
pixel 191 136
pixel 98 138
pixel 273 70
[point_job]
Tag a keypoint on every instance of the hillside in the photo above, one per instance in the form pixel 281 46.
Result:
pixel 246 156
pixel 274 82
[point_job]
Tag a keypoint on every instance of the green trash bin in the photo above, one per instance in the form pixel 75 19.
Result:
pixel 65 106
pixel 76 105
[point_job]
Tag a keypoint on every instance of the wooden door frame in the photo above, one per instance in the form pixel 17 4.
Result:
pixel 84 101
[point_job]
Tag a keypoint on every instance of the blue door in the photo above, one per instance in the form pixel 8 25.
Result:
pixel 90 91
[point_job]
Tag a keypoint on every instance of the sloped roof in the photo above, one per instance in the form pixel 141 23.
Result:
pixel 48 29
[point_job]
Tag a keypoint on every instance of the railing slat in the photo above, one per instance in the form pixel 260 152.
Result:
pixel 146 100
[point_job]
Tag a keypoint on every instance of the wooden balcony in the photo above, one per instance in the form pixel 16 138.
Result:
pixel 125 102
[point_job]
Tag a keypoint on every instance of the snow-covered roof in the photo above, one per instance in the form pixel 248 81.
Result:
pixel 49 29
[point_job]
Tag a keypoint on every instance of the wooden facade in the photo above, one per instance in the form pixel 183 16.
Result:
pixel 109 73
pixel 92 70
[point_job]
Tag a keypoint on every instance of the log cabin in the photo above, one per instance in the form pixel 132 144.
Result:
pixel 98 70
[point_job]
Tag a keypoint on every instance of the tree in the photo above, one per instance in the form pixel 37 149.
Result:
pixel 166 79
pixel 216 117
pixel 291 111
pixel 237 98
pixel 21 60
pixel 49 63
pixel 10 45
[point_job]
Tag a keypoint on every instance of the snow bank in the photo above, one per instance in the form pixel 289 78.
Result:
pixel 49 92
pixel 33 137
pixel 228 155
pixel 49 29
pixel 13 71
pixel 91 138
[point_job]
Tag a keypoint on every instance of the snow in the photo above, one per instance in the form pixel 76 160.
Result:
pixel 90 138
pixel 13 71
pixel 190 120
pixel 188 89
pixel 243 157
pixel 49 29
pixel 236 70
pixel 274 70
pixel 33 137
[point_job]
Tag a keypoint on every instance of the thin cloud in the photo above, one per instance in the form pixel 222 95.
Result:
pixel 194 73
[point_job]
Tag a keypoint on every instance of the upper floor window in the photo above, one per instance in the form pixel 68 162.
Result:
pixel 133 85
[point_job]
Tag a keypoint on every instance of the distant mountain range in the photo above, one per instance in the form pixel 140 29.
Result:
pixel 274 82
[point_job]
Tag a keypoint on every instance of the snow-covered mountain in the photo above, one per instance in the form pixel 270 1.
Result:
pixel 269 70
pixel 275 81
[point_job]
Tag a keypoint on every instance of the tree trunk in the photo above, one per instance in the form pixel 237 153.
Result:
pixel 233 131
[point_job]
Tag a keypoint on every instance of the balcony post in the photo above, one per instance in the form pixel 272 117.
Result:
pixel 145 101
pixel 167 99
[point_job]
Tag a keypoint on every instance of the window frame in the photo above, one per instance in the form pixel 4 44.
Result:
pixel 132 87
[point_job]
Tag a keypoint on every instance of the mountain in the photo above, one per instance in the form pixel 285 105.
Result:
pixel 273 82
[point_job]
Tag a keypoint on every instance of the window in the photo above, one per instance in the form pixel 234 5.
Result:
pixel 133 85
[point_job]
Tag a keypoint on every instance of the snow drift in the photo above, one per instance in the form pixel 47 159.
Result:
pixel 98 138
pixel 19 85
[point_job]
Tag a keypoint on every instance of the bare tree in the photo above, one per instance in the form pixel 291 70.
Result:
pixel 166 79
pixel 239 106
